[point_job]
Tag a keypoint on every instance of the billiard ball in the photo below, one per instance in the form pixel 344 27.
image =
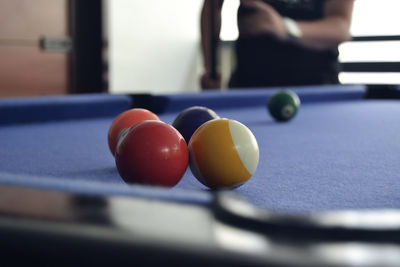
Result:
pixel 152 153
pixel 223 153
pixel 124 121
pixel 283 105
pixel 192 118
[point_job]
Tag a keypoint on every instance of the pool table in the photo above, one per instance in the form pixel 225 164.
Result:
pixel 325 192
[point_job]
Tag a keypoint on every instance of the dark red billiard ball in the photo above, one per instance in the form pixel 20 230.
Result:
pixel 192 118
pixel 152 153
pixel 126 120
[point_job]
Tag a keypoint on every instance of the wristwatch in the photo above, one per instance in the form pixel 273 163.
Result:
pixel 292 28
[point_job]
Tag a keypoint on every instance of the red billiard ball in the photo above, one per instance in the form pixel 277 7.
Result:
pixel 152 153
pixel 126 120
pixel 192 118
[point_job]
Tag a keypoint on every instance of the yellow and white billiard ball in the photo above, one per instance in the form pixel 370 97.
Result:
pixel 223 153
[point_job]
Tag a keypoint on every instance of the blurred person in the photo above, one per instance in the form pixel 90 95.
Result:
pixel 281 42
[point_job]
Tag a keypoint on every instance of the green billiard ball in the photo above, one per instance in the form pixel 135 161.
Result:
pixel 283 105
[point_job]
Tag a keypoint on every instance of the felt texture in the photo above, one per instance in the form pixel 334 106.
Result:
pixel 331 156
pixel 56 108
pixel 237 99
pixel 339 152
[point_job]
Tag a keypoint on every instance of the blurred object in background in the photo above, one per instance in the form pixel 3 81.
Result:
pixel 25 70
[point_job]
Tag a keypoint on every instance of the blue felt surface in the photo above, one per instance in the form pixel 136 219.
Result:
pixel 236 99
pixel 71 156
pixel 333 155
pixel 337 155
pixel 55 108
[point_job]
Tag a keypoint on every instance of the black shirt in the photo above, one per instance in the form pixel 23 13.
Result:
pixel 265 61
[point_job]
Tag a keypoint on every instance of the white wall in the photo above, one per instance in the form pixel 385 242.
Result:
pixel 371 17
pixel 154 45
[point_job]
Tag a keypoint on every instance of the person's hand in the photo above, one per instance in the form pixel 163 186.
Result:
pixel 207 82
pixel 263 19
